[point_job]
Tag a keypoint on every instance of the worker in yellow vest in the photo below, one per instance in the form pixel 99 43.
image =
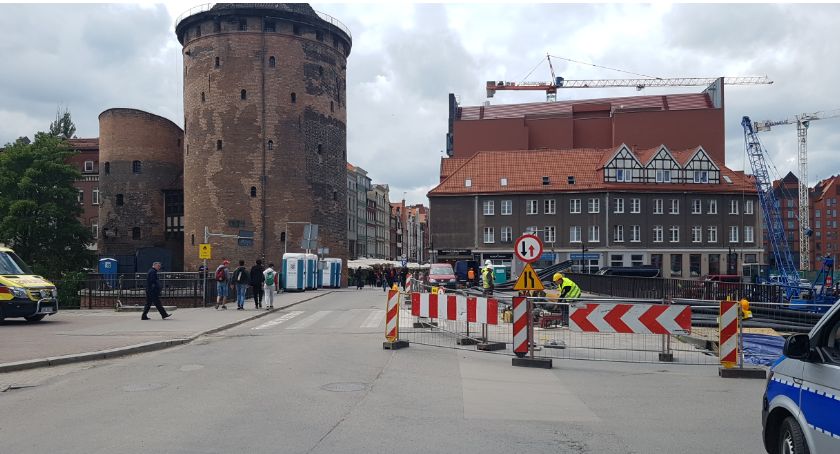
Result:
pixel 568 288
pixel 487 278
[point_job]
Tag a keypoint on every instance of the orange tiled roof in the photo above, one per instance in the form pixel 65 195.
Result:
pixel 84 144
pixel 449 165
pixel 524 171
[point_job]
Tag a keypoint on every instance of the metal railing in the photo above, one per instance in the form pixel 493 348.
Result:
pixel 208 6
pixel 114 290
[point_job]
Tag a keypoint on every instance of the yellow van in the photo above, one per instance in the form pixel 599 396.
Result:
pixel 23 294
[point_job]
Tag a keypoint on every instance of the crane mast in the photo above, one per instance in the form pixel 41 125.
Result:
pixel 802 122
pixel 788 274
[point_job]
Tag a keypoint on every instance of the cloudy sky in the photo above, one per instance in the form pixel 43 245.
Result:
pixel 406 58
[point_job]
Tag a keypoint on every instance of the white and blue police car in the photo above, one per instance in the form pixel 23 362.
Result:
pixel 801 405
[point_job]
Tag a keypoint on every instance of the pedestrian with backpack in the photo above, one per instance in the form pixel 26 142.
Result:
pixel 268 279
pixel 241 279
pixel 222 284
pixel 257 279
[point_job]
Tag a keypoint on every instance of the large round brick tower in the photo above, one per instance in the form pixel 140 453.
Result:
pixel 265 129
pixel 140 189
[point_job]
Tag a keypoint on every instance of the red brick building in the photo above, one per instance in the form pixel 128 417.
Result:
pixel 678 121
pixel 825 240
pixel 87 162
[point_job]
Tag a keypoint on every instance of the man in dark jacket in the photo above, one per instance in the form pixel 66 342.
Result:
pixel 257 281
pixel 153 293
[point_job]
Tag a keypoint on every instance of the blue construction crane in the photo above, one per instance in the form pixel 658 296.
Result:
pixel 819 295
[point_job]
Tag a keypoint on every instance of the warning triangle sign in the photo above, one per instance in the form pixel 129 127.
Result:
pixel 528 280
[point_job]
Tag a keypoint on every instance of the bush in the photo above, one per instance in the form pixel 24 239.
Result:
pixel 68 290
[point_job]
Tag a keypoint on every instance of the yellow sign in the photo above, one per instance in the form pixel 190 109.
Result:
pixel 205 252
pixel 528 280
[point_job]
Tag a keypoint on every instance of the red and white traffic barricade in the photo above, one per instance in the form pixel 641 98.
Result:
pixel 728 342
pixel 455 308
pixel 392 322
pixel 630 318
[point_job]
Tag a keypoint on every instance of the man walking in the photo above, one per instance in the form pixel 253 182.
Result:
pixel 359 281
pixel 257 281
pixel 222 284
pixel 268 280
pixel 153 293
pixel 241 280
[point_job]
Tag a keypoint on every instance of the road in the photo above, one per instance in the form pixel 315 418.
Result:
pixel 315 379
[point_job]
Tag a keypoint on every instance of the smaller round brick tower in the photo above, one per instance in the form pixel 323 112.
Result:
pixel 141 188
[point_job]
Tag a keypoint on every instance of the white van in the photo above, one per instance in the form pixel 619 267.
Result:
pixel 801 406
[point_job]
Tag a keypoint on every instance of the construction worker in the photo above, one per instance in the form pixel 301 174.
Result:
pixel 470 277
pixel 487 278
pixel 568 289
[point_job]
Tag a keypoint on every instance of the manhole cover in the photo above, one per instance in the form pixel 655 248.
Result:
pixel 344 387
pixel 142 387
pixel 191 367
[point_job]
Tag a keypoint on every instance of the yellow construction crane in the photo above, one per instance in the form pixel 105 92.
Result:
pixel 802 122
pixel 551 87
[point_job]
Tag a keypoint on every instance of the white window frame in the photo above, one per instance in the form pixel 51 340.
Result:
pixel 701 176
pixel 506 207
pixel 549 206
pixel 733 206
pixel 658 206
pixel 489 235
pixel 733 233
pixel 532 207
pixel 749 234
pixel 506 234
pixel 635 234
pixel 663 176
pixel 675 206
pixel 635 206
pixel 594 205
pixel 574 234
pixel 94 230
pixel 697 206
pixel 712 234
pixel 618 233
pixel 748 207
pixel 94 197
pixel 658 234
pixel 88 168
pixel 550 234
pixel 532 229
pixel 619 206
pixel 594 234
pixel 697 234
pixel 674 234
pixel 81 196
pixel 624 175
pixel 574 206
pixel 489 207
pixel 713 207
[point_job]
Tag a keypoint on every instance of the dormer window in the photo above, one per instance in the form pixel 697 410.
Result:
pixel 623 175
pixel 663 176
pixel 701 176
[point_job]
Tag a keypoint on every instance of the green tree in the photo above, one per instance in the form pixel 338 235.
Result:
pixel 63 126
pixel 39 206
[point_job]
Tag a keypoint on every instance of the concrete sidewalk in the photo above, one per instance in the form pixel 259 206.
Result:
pixel 84 335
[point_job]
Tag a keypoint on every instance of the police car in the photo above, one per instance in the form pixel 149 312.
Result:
pixel 801 405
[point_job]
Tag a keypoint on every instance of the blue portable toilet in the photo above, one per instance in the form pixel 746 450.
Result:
pixel 332 272
pixel 108 270
pixel 311 271
pixel 320 275
pixel 293 272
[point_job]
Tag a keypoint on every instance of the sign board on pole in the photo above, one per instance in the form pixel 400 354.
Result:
pixel 528 248
pixel 205 251
pixel 528 280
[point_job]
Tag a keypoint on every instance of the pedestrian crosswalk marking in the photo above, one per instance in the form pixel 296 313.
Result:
pixel 277 321
pixel 308 321
pixel 376 318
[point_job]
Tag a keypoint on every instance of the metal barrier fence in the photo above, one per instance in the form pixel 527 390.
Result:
pixel 553 337
pixel 662 288
pixel 178 289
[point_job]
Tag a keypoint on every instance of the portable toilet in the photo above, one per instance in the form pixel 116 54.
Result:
pixel 320 274
pixel 311 271
pixel 332 272
pixel 108 270
pixel 500 274
pixel 293 272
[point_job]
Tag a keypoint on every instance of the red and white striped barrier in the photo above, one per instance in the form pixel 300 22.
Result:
pixel 728 346
pixel 631 318
pixel 392 316
pixel 455 308
pixel 520 326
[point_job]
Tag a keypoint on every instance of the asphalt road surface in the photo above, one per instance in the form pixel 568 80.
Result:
pixel 315 379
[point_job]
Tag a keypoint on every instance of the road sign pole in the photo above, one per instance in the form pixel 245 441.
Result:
pixel 204 278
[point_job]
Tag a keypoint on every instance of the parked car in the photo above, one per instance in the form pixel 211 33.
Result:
pixel 801 403
pixel 442 275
